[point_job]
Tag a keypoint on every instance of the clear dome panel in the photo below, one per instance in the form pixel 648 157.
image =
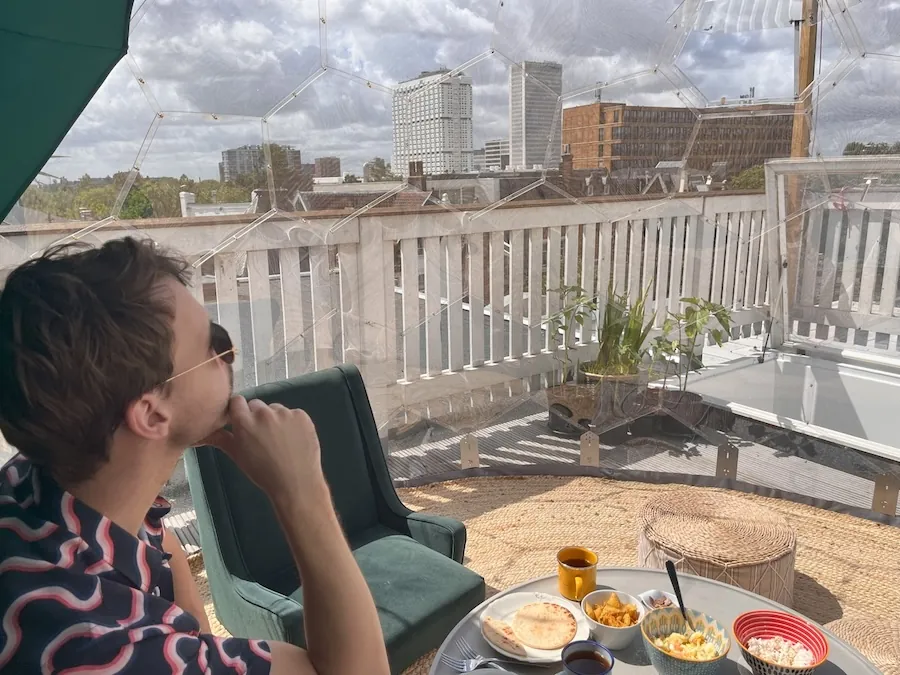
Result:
pixel 320 139
pixel 592 47
pixel 746 53
pixel 857 116
pixel 240 59
pixel 390 42
pixel 83 181
pixel 183 170
pixel 554 240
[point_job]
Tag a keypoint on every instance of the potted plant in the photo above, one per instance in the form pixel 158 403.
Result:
pixel 617 372
pixel 681 345
pixel 570 403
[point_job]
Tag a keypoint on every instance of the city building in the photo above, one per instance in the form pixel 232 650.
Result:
pixel 328 167
pixel 369 172
pixel 327 180
pixel 534 120
pixel 249 159
pixel 478 159
pixel 241 161
pixel 191 209
pixel 617 136
pixel 496 154
pixel 432 119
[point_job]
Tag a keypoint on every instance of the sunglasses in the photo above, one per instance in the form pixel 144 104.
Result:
pixel 220 344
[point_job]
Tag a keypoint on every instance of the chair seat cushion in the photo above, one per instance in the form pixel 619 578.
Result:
pixel 420 594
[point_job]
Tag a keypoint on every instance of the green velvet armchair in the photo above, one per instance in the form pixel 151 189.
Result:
pixel 411 561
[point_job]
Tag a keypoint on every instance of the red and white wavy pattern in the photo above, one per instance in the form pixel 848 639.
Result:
pixel 103 637
pixel 67 506
pixel 26 532
pixel 13 629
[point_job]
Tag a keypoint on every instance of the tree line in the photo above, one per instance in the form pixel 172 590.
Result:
pixel 153 197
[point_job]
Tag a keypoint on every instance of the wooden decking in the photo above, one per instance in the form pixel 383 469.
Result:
pixel 184 525
pixel 527 441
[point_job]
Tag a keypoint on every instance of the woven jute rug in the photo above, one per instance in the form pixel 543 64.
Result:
pixel 846 567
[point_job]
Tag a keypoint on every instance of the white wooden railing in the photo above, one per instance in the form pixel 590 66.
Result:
pixel 436 305
pixel 845 270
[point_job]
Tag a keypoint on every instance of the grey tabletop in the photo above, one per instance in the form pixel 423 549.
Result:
pixel 723 602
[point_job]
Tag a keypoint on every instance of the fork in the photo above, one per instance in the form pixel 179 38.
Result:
pixel 468 665
pixel 471 659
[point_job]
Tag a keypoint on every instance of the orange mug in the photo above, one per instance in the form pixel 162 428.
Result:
pixel 577 572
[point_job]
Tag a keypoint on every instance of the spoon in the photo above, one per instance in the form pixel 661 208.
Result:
pixel 673 577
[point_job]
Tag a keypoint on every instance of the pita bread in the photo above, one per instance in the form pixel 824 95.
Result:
pixel 544 625
pixel 500 634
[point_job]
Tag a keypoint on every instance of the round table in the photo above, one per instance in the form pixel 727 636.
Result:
pixel 723 602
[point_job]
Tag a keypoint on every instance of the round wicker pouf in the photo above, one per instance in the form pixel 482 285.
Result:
pixel 722 537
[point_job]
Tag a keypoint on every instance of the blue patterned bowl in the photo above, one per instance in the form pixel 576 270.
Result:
pixel 661 623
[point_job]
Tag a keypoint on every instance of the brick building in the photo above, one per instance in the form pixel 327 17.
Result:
pixel 328 167
pixel 616 136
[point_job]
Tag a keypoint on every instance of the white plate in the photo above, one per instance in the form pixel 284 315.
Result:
pixel 504 609
pixel 648 596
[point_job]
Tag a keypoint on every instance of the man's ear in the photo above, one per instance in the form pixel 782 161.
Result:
pixel 149 417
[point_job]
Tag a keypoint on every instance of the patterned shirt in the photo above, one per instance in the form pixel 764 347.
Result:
pixel 79 594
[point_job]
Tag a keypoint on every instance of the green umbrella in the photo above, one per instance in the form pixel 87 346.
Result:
pixel 53 58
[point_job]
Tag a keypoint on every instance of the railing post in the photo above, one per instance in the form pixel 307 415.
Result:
pixel 776 258
pixel 374 304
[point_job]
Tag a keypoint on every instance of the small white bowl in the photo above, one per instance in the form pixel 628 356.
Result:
pixel 610 636
pixel 648 597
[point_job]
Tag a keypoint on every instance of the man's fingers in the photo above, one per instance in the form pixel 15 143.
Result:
pixel 256 405
pixel 238 409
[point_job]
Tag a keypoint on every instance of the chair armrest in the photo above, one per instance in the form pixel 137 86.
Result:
pixel 439 533
pixel 269 615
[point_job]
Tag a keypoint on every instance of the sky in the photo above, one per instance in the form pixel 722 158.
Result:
pixel 214 71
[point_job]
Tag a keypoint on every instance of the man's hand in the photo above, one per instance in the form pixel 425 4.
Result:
pixel 276 447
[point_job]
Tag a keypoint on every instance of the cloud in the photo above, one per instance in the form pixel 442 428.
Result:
pixel 239 58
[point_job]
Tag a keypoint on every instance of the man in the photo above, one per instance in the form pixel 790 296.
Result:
pixel 108 369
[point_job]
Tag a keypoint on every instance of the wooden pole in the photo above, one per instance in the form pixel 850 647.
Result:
pixel 800 139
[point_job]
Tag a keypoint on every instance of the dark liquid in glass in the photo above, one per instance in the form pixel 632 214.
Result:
pixel 587 663
pixel 576 562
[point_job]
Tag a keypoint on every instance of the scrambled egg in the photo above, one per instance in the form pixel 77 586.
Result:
pixel 693 647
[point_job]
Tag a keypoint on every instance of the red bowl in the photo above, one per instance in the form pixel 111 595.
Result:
pixel 765 624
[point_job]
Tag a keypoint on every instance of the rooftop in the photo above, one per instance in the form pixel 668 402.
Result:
pixel 455 294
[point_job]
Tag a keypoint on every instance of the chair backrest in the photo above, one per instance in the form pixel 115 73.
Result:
pixel 242 524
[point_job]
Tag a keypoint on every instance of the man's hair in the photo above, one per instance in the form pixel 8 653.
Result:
pixel 83 333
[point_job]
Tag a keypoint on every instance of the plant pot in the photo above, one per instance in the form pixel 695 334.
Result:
pixel 686 407
pixel 571 408
pixel 619 398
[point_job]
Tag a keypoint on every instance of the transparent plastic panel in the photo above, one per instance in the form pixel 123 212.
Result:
pixel 543 232
pixel 872 26
pixel 391 42
pixel 83 180
pixel 198 164
pixel 592 47
pixel 857 117
pixel 844 275
pixel 739 54
pixel 238 60
pixel 452 132
pixel 319 129
pixel 627 138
